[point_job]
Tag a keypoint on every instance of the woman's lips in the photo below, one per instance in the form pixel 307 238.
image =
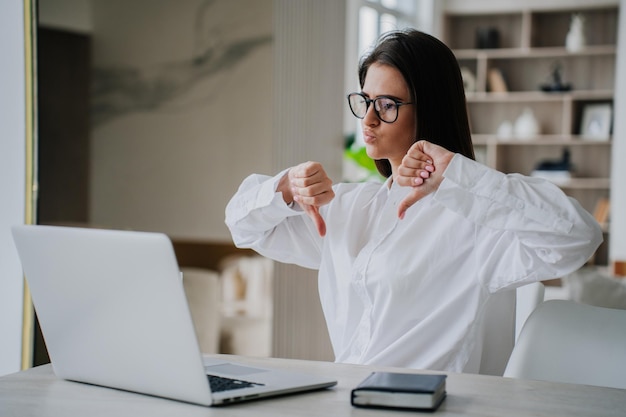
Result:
pixel 368 137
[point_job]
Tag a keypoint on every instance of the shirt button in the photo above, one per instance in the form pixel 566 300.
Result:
pixel 520 205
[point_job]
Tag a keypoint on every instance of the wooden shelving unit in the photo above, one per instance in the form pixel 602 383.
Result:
pixel 531 45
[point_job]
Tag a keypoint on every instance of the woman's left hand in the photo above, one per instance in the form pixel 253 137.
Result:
pixel 422 168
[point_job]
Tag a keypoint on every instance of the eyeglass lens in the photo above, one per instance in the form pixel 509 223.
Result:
pixel 386 109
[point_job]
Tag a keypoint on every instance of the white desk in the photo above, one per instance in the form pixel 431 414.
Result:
pixel 37 392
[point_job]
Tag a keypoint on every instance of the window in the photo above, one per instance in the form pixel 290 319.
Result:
pixel 379 16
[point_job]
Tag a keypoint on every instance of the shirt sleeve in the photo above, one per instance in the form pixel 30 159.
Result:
pixel 527 228
pixel 258 218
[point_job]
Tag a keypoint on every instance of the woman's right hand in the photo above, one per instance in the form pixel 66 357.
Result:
pixel 308 185
pixel 420 156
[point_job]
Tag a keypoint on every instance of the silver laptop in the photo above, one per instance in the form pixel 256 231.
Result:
pixel 113 312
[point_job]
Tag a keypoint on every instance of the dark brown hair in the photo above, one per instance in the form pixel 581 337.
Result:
pixel 433 77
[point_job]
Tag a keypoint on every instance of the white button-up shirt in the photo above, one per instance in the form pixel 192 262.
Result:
pixel 409 292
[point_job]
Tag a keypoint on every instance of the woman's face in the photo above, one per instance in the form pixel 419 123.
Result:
pixel 388 140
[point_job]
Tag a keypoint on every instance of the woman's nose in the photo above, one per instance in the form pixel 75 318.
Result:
pixel 371 118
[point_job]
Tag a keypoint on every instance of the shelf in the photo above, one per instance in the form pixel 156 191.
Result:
pixel 524 53
pixel 581 183
pixel 586 184
pixel 524 26
pixel 542 140
pixel 538 96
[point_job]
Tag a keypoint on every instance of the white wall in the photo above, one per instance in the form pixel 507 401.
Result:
pixel 195 119
pixel 617 247
pixel 12 180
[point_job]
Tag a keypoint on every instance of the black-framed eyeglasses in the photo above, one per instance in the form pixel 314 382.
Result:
pixel 386 108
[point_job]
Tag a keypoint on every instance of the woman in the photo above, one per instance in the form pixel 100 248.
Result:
pixel 406 267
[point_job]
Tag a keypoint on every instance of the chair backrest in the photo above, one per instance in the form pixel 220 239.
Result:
pixel 503 318
pixel 566 341
pixel 528 299
pixel 496 336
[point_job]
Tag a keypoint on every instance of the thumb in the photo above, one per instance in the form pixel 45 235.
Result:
pixel 314 213
pixel 408 201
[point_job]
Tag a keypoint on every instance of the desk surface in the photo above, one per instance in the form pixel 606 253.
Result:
pixel 37 392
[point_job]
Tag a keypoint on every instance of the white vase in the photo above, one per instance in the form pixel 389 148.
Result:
pixel 526 126
pixel 505 130
pixel 575 39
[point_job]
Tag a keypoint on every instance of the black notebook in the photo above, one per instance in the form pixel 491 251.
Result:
pixel 400 390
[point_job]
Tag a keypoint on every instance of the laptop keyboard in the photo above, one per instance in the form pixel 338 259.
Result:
pixel 219 383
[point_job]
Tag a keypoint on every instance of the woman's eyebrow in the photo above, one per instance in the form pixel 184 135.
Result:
pixel 383 95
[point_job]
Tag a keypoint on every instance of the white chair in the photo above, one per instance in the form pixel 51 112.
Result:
pixel 565 341
pixel 204 294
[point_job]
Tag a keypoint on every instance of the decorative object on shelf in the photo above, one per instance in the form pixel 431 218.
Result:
pixel 596 121
pixel 497 84
pixel 557 171
pixel 469 80
pixel 575 39
pixel 487 37
pixel 505 130
pixel 555 82
pixel 526 125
